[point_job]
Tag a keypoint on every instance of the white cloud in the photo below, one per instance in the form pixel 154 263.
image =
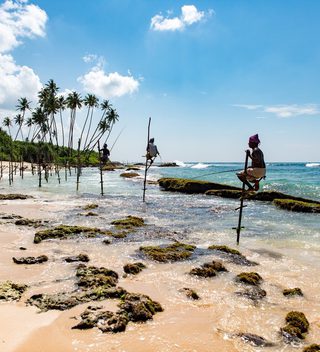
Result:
pixel 107 85
pixel 20 20
pixel 284 111
pixel 189 15
pixel 16 82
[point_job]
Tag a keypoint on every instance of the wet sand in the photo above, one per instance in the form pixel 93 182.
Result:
pixel 185 325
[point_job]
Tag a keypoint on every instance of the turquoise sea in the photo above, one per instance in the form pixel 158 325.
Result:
pixel 285 244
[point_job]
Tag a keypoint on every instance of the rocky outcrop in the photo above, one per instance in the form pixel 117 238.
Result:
pixel 298 206
pixel 31 260
pixel 10 291
pixel 170 253
pixel 297 327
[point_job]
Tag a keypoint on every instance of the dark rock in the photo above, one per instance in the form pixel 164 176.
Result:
pixel 171 253
pixel 28 222
pixel 90 206
pixel 296 328
pixel 298 206
pixel 208 269
pixel 254 293
pixel 190 186
pixel 22 248
pixel 90 213
pixel 93 277
pixel 14 196
pixel 129 174
pixel 312 348
pixel 9 291
pixel 66 231
pixel 225 193
pixel 251 278
pixel 133 168
pixel 59 301
pixel 190 293
pixel 168 165
pixel 31 260
pixel 233 255
pixel 255 340
pixel 133 268
pixel 106 241
pixel 78 258
pixel 292 292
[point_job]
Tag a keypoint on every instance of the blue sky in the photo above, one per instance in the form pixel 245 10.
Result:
pixel 209 73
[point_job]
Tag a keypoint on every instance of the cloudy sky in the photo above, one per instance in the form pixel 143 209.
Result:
pixel 209 73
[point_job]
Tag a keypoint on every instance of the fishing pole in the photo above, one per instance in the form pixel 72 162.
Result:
pixel 116 139
pixel 215 173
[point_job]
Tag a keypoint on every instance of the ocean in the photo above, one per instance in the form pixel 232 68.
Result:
pixel 285 244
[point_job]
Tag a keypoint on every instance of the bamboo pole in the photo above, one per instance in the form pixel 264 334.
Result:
pixel 78 166
pixel 100 167
pixel 146 166
pixel 241 200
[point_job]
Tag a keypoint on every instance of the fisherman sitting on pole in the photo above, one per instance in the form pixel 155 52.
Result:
pixel 105 153
pixel 152 152
pixel 257 171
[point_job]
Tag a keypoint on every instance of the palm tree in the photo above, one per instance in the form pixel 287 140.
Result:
pixel 23 105
pixel 40 122
pixel 73 102
pixel 62 106
pixel 28 123
pixel 112 118
pixel 18 120
pixel 91 101
pixel 7 123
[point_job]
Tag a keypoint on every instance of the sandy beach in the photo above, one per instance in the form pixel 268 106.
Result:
pixel 213 322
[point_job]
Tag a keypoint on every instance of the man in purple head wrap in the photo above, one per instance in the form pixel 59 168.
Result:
pixel 258 166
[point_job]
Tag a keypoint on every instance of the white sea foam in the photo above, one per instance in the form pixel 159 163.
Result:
pixel 200 166
pixel 313 165
pixel 180 163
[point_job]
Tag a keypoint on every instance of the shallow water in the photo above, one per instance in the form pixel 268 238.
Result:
pixel 285 244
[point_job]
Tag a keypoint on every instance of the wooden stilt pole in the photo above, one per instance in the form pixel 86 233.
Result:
pixel 146 166
pixel 241 201
pixel 78 166
pixel 100 168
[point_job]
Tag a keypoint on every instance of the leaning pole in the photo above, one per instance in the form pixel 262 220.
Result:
pixel 146 165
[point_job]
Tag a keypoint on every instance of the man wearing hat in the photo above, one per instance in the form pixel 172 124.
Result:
pixel 258 166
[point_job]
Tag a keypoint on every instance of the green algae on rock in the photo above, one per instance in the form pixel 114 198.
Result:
pixel 208 269
pixel 93 277
pixel 312 348
pixel 31 260
pixel 90 206
pixel 190 186
pixel 133 268
pixel 251 278
pixel 28 222
pixel 170 253
pixel 292 292
pixel 14 196
pixel 190 293
pixel 129 222
pixel 10 291
pixel 297 326
pixel 225 193
pixel 129 174
pixel 233 255
pixel 298 206
pixel 77 258
pixel 67 231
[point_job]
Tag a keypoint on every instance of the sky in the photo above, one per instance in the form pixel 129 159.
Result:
pixel 208 73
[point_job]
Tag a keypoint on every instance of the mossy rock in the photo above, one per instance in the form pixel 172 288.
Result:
pixel 10 291
pixel 171 253
pixel 90 206
pixel 190 293
pixel 296 328
pixel 66 231
pixel 93 277
pixel 129 174
pixel 31 260
pixel 225 249
pixel 77 258
pixel 232 255
pixel 129 222
pixel 297 206
pixel 251 278
pixel 133 168
pixel 138 307
pixel 169 165
pixel 208 269
pixel 312 348
pixel 190 186
pixel 14 196
pixel 28 222
pixel 225 193
pixel 133 268
pixel 292 292
pixel 90 213
pixel 58 301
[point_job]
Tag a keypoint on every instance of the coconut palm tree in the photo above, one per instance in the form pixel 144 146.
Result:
pixel 91 101
pixel 112 118
pixel 62 106
pixel 18 120
pixel 7 123
pixel 28 123
pixel 40 122
pixel 23 105
pixel 73 101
